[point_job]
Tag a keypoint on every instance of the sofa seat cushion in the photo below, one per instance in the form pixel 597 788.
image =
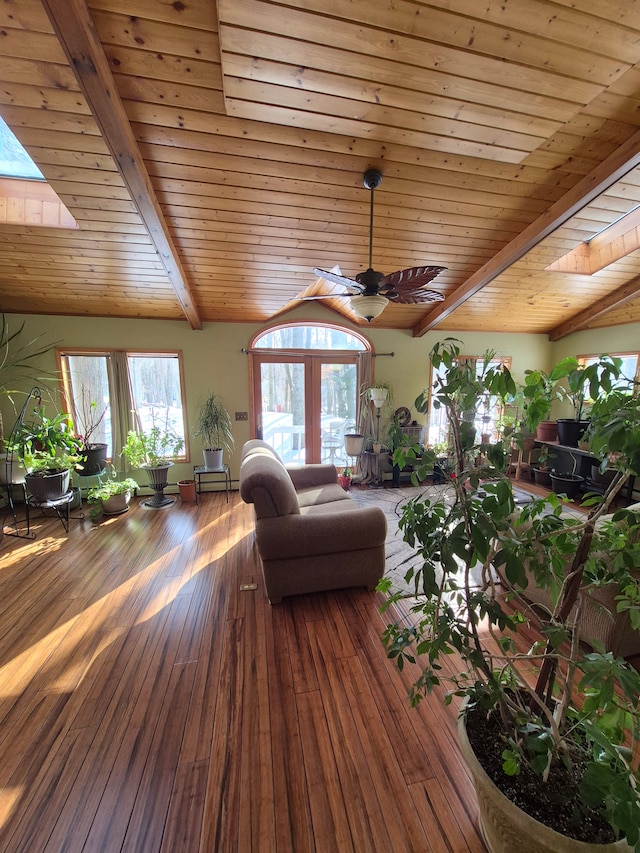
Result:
pixel 322 495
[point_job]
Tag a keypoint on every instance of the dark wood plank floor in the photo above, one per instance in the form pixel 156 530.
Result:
pixel 147 703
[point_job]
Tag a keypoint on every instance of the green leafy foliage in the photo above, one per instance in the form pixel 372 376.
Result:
pixel 584 702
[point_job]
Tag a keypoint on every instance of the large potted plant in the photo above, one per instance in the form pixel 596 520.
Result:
pixel 154 451
pixel 49 450
pixel 578 383
pixel 214 426
pixel 549 729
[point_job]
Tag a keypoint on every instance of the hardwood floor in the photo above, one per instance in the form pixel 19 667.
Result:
pixel 149 704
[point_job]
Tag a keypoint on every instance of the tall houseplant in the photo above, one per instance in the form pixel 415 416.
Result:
pixel 560 743
pixel 18 362
pixel 214 426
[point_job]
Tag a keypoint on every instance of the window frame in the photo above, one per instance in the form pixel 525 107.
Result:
pixel 63 353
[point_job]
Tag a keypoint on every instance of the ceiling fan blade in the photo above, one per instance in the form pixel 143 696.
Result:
pixel 408 296
pixel 327 275
pixel 412 278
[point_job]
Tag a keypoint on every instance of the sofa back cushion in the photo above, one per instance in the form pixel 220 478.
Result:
pixel 265 483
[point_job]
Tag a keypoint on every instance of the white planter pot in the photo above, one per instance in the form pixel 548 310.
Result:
pixel 116 504
pixel 353 444
pixel 212 459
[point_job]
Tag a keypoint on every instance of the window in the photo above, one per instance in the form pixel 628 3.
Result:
pixel 629 362
pixel 488 413
pixel 133 389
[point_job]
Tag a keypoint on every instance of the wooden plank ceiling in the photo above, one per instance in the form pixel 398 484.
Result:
pixel 212 155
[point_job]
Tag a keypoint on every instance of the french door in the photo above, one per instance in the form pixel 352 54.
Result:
pixel 304 404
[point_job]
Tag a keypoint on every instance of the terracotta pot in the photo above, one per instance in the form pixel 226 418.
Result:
pixel 187 491
pixel 506 828
pixel 547 431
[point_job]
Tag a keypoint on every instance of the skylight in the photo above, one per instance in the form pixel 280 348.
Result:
pixel 14 160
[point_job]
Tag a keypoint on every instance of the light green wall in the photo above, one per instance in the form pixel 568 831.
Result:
pixel 213 357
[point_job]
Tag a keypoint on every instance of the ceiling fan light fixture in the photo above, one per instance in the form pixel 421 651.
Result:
pixel 369 307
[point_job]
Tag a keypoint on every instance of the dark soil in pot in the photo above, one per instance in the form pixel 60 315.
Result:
pixel 553 802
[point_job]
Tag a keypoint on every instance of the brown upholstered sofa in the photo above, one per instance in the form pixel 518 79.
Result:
pixel 310 535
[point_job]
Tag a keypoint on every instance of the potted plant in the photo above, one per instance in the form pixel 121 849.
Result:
pixel 567 482
pixel 578 383
pixel 89 417
pixel 154 451
pixel 344 478
pixel 541 471
pixel 113 496
pixel 556 742
pixel 48 450
pixel 540 392
pixel 214 425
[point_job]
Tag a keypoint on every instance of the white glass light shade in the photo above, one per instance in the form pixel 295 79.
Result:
pixel 378 396
pixel 369 307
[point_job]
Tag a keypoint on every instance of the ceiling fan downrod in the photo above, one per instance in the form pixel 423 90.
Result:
pixel 372 180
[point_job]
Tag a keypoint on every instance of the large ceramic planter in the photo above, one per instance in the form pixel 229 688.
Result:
pixel 570 431
pixel 506 828
pixel 44 488
pixel 353 444
pixel 158 478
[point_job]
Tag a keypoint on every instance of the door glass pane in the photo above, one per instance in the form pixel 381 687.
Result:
pixel 338 415
pixel 283 413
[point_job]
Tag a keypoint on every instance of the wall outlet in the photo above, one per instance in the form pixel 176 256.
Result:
pixel 242 416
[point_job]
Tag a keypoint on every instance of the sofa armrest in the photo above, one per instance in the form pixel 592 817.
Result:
pixel 325 533
pixel 306 476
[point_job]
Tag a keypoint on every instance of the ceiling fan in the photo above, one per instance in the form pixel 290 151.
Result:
pixel 371 291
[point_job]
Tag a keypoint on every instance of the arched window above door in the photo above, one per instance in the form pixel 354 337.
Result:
pixel 307 336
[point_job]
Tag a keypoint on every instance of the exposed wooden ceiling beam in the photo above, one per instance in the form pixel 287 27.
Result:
pixel 619 163
pixel 612 300
pixel 77 35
